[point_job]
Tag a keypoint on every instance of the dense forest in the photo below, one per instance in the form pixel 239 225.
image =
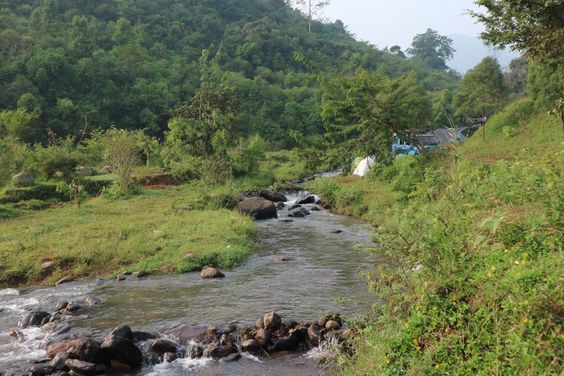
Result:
pixel 85 65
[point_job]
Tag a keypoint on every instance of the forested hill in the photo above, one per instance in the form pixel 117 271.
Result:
pixel 94 64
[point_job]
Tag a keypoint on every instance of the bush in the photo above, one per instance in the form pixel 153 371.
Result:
pixel 248 156
pixel 188 169
pixel 53 159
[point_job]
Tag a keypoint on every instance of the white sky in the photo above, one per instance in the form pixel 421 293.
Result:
pixel 388 22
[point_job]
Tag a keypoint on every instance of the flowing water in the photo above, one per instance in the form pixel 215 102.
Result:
pixel 324 255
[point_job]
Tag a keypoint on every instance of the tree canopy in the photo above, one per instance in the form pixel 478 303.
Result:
pixel 432 48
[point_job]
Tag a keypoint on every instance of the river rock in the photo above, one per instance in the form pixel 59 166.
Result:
pixel 322 321
pixel 250 345
pixel 262 337
pixel 61 305
pixel 72 307
pixel 336 231
pixel 81 367
pixel 295 206
pixel 123 331
pixel 140 274
pixel 139 336
pixel 272 320
pixel 88 350
pixel 314 334
pixel 309 199
pixel 315 208
pixel 16 334
pixel 230 358
pixel 272 196
pixel 58 347
pixel 217 352
pixel 162 346
pixel 285 259
pixel 39 370
pixel 298 213
pixel 332 325
pixel 258 208
pixel 119 368
pixel 123 350
pixel 286 220
pixel 184 333
pixel 280 205
pixel 59 361
pixel 34 318
pixel 66 279
pixel 23 179
pixel 91 300
pixel 121 277
pixel 195 350
pixel 169 357
pixel 211 272
pixel 260 323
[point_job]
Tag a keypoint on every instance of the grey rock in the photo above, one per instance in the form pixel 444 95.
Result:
pixel 23 179
pixel 124 350
pixel 162 346
pixel 272 320
pixel 258 208
pixel 66 279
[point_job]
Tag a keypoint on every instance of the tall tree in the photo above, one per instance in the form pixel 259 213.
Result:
pixel 432 48
pixel 362 113
pixel 482 91
pixel 311 8
pixel 532 26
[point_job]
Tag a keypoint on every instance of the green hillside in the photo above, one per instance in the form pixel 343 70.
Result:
pixel 94 64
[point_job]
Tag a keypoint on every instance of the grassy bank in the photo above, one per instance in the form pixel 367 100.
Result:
pixel 164 231
pixel 172 230
pixel 476 236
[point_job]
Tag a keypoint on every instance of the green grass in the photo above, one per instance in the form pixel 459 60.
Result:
pixel 154 231
pixel 484 225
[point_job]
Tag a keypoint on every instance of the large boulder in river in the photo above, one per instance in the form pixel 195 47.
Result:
pixel 88 350
pixel 123 350
pixel 273 196
pixel 210 272
pixel 23 179
pixel 258 208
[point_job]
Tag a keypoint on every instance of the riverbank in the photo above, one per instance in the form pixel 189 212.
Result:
pixel 475 236
pixel 162 229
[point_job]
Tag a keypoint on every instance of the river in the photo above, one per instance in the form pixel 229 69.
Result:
pixel 300 269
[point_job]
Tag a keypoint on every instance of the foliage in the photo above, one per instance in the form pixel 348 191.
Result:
pixel 62 158
pixel 88 65
pixel 534 27
pixel 248 156
pixel 122 150
pixel 363 112
pixel 432 48
pixel 482 92
pixel 471 283
pixel 516 77
pixel 546 88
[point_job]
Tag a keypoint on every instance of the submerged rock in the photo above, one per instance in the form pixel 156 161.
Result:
pixel 81 367
pixel 258 208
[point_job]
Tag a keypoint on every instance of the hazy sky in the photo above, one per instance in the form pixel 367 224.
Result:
pixel 388 22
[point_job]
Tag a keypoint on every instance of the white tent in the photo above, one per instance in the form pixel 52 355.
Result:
pixel 363 167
